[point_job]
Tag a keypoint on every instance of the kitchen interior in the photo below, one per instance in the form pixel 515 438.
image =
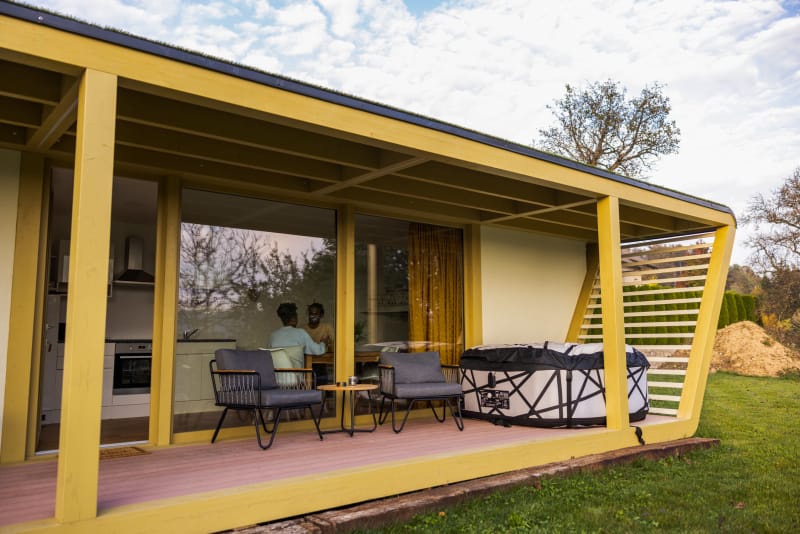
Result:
pixel 129 315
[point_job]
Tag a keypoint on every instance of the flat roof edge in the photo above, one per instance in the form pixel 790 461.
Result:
pixel 71 25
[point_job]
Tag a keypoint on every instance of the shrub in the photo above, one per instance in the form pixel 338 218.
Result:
pixel 733 313
pixel 724 318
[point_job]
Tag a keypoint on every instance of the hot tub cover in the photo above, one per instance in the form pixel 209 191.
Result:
pixel 546 384
pixel 547 355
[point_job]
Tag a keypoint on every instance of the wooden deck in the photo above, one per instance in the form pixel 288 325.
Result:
pixel 27 491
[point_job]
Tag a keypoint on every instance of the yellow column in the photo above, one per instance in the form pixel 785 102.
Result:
pixel 345 295
pixel 694 386
pixel 23 337
pixel 165 307
pixel 585 294
pixel 473 288
pixel 610 258
pixel 78 462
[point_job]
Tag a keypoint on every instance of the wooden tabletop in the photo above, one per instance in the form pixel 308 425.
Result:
pixel 360 357
pixel 348 387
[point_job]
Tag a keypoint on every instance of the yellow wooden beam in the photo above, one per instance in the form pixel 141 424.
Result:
pixel 694 385
pixel 592 264
pixel 78 463
pixel 206 150
pixel 56 122
pixel 21 382
pixel 344 361
pixel 398 185
pixel 610 260
pixel 247 129
pixel 32 84
pixel 363 177
pixel 165 309
pixel 34 400
pixel 345 296
pixel 191 83
pixel 473 288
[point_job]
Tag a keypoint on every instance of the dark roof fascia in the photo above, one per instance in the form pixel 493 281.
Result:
pixel 77 27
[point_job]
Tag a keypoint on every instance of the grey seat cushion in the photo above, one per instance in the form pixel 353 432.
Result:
pixel 257 360
pixel 414 368
pixel 427 390
pixel 288 398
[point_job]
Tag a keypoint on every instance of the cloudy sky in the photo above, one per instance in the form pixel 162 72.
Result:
pixel 730 68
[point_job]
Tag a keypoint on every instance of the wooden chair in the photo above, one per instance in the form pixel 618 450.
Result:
pixel 419 376
pixel 246 380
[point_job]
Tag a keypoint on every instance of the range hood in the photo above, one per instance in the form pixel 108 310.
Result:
pixel 134 274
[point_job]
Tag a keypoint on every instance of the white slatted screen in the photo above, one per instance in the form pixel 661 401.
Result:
pixel 663 282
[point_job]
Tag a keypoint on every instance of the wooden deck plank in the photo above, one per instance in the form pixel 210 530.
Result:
pixel 27 491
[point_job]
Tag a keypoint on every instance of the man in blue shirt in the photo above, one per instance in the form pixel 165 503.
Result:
pixel 289 335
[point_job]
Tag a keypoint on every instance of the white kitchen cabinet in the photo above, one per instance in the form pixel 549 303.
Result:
pixel 53 379
pixel 193 390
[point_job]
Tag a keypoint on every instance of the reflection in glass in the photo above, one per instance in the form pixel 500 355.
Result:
pixel 239 259
pixel 409 289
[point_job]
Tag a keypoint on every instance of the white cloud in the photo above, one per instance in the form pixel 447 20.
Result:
pixel 730 68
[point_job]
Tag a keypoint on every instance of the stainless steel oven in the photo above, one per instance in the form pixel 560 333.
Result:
pixel 132 362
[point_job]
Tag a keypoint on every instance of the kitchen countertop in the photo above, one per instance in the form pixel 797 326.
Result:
pixel 205 340
pixel 192 340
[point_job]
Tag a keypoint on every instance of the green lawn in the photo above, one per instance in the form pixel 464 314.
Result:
pixel 750 483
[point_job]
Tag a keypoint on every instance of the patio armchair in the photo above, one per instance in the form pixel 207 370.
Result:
pixel 247 380
pixel 420 376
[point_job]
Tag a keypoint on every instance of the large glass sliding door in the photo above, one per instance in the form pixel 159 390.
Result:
pixel 409 288
pixel 240 258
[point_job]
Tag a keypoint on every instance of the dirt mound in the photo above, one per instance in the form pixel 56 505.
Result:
pixel 746 349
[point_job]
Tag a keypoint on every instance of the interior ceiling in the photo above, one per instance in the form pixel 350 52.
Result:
pixel 161 135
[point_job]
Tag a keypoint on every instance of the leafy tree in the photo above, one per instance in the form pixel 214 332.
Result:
pixel 599 126
pixel 776 219
pixel 776 245
pixel 742 279
pixel 780 294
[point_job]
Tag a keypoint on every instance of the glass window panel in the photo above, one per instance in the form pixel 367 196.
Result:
pixel 409 288
pixel 239 259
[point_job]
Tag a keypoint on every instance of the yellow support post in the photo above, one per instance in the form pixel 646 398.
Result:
pixel 23 339
pixel 345 298
pixel 78 462
pixel 610 257
pixel 694 386
pixel 473 301
pixel 592 261
pixel 165 309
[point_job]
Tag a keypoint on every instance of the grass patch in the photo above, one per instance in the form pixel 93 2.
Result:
pixel 750 483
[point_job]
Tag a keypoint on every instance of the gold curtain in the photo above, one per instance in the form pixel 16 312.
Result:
pixel 436 290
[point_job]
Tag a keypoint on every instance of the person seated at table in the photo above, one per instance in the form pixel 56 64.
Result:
pixel 319 331
pixel 289 335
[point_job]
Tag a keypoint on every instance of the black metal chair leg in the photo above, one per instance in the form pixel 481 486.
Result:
pixel 436 415
pixel 271 433
pixel 409 405
pixel 316 420
pixel 381 415
pixel 219 424
pixel 458 419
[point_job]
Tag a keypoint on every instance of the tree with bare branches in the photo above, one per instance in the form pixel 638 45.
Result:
pixel 776 219
pixel 599 126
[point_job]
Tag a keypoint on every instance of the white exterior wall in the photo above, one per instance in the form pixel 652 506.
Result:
pixel 9 193
pixel 530 285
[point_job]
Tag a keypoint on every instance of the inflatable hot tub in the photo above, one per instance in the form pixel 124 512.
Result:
pixel 546 385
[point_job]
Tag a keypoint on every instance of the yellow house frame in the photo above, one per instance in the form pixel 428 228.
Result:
pixel 103 103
